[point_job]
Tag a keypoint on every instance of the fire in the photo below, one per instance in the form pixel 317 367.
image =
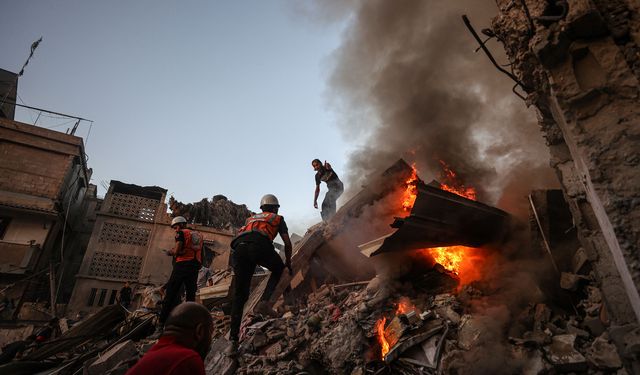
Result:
pixel 449 257
pixel 410 193
pixel 404 306
pixel 384 345
pixel 466 262
pixel 453 184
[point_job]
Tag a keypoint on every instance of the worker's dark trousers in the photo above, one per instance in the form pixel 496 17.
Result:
pixel 184 273
pixel 245 257
pixel 329 203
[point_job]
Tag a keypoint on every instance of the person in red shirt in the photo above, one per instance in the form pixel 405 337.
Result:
pixel 184 344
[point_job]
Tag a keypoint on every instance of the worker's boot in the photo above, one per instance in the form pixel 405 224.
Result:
pixel 263 308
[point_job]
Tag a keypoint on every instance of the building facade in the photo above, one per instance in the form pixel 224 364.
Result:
pixel 131 230
pixel 44 199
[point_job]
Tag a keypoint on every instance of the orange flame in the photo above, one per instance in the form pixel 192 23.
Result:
pixel 466 262
pixel 411 192
pixel 384 345
pixel 449 257
pixel 453 184
pixel 404 306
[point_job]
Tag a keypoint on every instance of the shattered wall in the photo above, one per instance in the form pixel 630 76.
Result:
pixel 578 62
pixel 219 212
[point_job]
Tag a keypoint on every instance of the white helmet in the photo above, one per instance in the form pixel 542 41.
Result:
pixel 178 220
pixel 269 199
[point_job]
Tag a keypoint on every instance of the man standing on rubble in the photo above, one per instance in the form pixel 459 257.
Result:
pixel 187 254
pixel 325 173
pixel 254 246
pixel 184 344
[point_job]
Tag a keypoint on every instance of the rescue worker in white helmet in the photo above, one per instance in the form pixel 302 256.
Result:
pixel 187 254
pixel 254 246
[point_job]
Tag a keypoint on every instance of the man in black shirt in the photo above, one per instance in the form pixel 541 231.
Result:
pixel 253 246
pixel 327 174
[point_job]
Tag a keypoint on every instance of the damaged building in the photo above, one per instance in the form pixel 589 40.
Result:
pixel 416 277
pixel 46 202
pixel 132 229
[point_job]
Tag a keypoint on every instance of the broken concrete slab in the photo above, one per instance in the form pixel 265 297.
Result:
pixel 627 339
pixel 603 355
pixel 121 352
pixel 563 356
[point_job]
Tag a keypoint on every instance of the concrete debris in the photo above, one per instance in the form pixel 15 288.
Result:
pixel 570 281
pixel 416 322
pixel 219 212
pixel 603 355
pixel 470 331
pixel 579 260
pixel 563 356
pixel 123 352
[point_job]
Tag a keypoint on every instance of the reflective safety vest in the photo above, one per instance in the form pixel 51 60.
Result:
pixel 265 223
pixel 192 246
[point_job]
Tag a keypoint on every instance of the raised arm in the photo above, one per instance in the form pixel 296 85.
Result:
pixel 287 251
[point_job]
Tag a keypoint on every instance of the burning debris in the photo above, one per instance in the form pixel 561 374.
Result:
pixel 431 318
pixel 437 311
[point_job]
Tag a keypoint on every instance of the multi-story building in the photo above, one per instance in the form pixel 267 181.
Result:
pixel 44 199
pixel 131 230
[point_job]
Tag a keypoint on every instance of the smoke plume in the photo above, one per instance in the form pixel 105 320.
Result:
pixel 408 83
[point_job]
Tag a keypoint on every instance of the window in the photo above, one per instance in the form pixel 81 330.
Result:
pixel 112 299
pixel 92 296
pixel 103 295
pixel 4 223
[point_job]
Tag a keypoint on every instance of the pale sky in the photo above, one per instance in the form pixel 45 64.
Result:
pixel 198 97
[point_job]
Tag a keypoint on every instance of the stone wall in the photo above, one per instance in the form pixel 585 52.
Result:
pixel 578 62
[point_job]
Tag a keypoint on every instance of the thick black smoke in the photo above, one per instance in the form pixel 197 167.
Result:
pixel 408 83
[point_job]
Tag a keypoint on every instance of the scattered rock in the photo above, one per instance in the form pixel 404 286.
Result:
pixel 603 354
pixel 563 356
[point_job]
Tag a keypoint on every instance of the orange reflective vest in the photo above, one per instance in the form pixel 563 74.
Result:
pixel 265 223
pixel 192 246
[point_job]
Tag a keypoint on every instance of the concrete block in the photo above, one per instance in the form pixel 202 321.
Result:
pixel 570 281
pixel 113 357
pixel 563 356
pixel 603 355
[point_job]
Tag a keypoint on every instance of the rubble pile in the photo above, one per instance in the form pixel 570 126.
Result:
pixel 219 212
pixel 430 325
pixel 102 342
